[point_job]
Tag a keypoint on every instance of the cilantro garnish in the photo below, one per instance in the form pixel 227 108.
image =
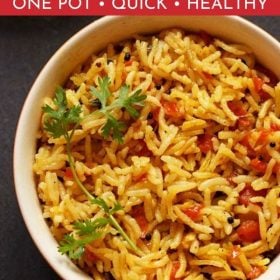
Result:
pixel 124 101
pixel 86 231
pixel 59 120
pixel 62 121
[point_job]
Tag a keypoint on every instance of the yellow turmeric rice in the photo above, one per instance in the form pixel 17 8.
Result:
pixel 197 173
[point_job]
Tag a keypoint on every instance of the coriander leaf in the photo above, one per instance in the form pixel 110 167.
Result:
pixel 54 114
pixel 87 227
pixel 61 103
pixel 101 203
pixel 114 127
pixel 59 120
pixel 72 116
pixel 70 247
pixel 123 101
pixel 127 102
pixel 74 248
pixel 87 231
pixel 117 207
pixel 103 92
pixel 123 94
pixel 60 98
pixel 54 127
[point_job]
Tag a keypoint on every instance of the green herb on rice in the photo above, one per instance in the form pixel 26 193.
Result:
pixel 63 121
pixel 113 126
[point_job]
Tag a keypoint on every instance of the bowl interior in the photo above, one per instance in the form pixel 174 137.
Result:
pixel 92 39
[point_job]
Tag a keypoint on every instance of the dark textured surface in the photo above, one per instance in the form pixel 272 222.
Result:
pixel 25 46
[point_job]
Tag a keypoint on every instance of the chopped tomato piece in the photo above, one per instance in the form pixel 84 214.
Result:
pixel 264 95
pixel 89 256
pixel 207 76
pixel 258 83
pixel 68 173
pixel 140 178
pixel 258 165
pixel 274 127
pixel 247 193
pixel 171 109
pixel 193 212
pixel 254 273
pixel 245 142
pixel 175 267
pixel 205 143
pixel 262 140
pixel 237 108
pixel 156 113
pixel 243 123
pixel 249 231
pixel 139 215
pixel 143 224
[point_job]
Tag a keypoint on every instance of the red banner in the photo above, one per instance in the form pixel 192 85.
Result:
pixel 139 7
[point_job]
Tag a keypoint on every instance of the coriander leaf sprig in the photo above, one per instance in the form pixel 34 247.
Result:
pixel 88 231
pixel 62 121
pixel 59 122
pixel 123 101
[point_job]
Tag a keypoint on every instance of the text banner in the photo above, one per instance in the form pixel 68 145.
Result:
pixel 139 7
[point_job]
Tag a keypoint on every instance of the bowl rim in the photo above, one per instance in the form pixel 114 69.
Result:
pixel 69 43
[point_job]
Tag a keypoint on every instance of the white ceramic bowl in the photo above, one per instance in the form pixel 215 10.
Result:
pixel 91 39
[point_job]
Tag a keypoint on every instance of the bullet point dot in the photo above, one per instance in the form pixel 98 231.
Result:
pixel 177 3
pixel 101 4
